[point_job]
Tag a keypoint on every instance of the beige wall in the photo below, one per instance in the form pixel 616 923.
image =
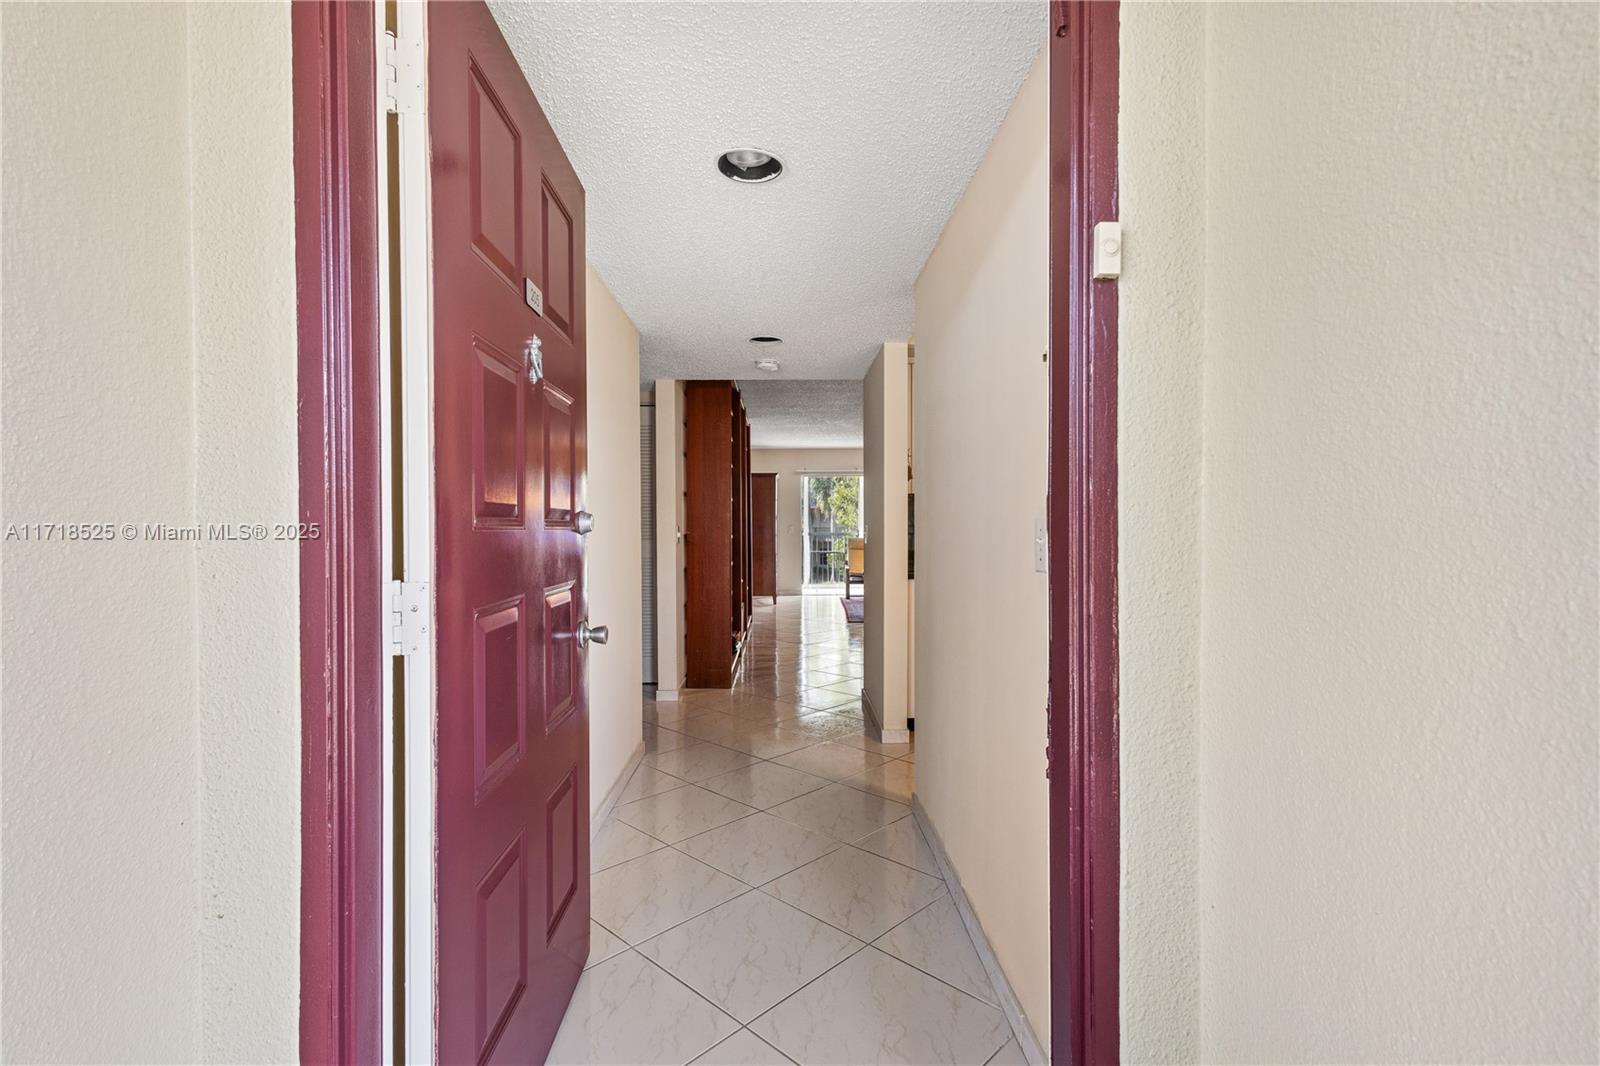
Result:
pixel 981 326
pixel 1161 192
pixel 151 705
pixel 247 623
pixel 885 635
pixel 792 465
pixel 1395 761
pixel 613 568
pixel 671 658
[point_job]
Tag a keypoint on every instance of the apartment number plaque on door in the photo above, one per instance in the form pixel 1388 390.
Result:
pixel 533 295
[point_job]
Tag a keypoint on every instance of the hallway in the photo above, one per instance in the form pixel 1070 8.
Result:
pixel 762 893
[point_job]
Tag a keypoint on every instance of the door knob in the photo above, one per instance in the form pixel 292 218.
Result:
pixel 588 633
pixel 583 522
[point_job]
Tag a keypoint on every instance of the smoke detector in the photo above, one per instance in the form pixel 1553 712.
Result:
pixel 769 365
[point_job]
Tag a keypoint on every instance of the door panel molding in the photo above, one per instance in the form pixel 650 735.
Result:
pixel 341 654
pixel 1082 717
pixel 508 436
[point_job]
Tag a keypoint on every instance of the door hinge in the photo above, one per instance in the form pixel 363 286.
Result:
pixel 410 615
pixel 401 70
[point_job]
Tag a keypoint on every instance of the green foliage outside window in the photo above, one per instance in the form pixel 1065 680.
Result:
pixel 836 501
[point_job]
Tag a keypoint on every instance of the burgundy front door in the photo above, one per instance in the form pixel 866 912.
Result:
pixel 509 452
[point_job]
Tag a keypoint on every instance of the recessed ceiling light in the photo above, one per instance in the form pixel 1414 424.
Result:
pixel 749 165
pixel 769 365
pixel 766 340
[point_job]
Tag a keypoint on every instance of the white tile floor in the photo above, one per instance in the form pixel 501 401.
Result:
pixel 762 894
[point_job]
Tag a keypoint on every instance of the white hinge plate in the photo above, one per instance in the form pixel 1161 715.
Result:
pixel 402 75
pixel 410 617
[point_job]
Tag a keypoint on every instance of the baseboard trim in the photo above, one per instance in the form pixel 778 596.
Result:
pixel 667 695
pixel 884 736
pixel 1032 1050
pixel 608 804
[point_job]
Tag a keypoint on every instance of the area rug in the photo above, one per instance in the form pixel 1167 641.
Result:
pixel 855 609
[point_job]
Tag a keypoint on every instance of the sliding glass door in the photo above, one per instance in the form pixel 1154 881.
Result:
pixel 832 517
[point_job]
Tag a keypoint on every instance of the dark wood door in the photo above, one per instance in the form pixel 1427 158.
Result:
pixel 512 860
pixel 764 533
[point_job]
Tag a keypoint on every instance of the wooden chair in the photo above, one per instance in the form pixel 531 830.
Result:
pixel 855 566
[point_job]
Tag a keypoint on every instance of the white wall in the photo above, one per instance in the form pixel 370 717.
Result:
pixel 981 327
pixel 246 446
pixel 1160 335
pixel 613 568
pixel 885 431
pixel 1395 761
pixel 672 661
pixel 151 729
pixel 792 465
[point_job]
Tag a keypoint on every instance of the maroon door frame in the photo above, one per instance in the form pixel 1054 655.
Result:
pixel 1084 845
pixel 341 654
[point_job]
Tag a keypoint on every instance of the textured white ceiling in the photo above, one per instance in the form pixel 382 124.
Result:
pixel 803 414
pixel 879 111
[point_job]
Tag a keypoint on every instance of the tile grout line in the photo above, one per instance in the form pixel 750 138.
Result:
pixel 874 943
pixel 1021 1028
pixel 794 699
pixel 737 1023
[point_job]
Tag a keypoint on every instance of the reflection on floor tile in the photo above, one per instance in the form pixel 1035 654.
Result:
pixel 892 780
pixel 764 740
pixel 681 813
pixel 749 953
pixel 699 760
pixel 821 726
pixel 758 848
pixel 655 892
pixel 648 781
pixel 714 724
pixel 858 738
pixel 842 812
pixel 873 1008
pixel 775 712
pixel 818 698
pixel 743 1048
pixel 935 941
pixel 617 843
pixel 660 738
pixel 903 843
pixel 764 784
pixel 832 760
pixel 628 1010
pixel 856 891
pixel 761 867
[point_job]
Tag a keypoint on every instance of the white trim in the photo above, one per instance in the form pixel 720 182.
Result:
pixel 1031 1048
pixel 609 804
pixel 668 695
pixel 386 460
pixel 885 736
pixel 416 515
